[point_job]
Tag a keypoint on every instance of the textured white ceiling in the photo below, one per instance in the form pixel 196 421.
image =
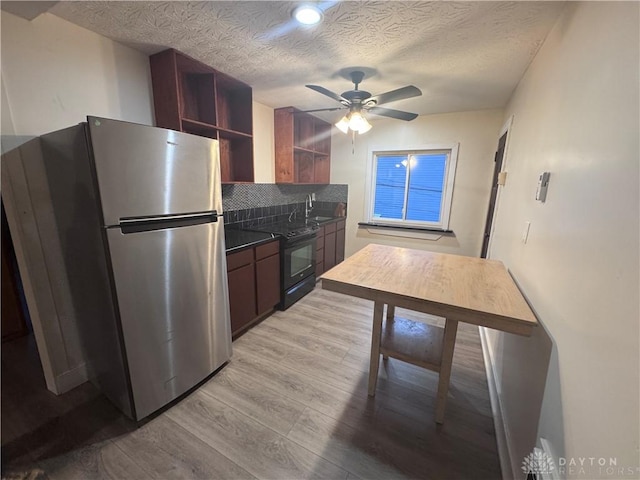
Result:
pixel 462 55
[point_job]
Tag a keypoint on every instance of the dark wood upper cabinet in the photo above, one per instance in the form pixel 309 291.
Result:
pixel 234 105
pixel 192 97
pixel 302 146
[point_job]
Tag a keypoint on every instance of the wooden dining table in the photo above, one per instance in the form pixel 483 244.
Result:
pixel 458 288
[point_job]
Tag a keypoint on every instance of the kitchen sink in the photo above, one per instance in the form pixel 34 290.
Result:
pixel 320 219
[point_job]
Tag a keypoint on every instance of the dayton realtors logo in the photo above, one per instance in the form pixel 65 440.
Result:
pixel 595 467
pixel 538 462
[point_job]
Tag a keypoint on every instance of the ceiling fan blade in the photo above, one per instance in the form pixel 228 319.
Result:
pixel 321 110
pixel 394 95
pixel 388 112
pixel 328 93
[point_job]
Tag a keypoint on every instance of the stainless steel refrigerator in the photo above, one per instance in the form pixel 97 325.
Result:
pixel 138 212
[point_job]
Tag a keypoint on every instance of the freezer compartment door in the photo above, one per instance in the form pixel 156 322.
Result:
pixel 172 295
pixel 147 171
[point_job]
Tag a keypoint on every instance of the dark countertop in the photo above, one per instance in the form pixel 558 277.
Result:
pixel 238 239
pixel 330 220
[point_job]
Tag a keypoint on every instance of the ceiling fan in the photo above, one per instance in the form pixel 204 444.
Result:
pixel 358 101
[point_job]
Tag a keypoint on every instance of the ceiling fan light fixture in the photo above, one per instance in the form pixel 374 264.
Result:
pixel 354 121
pixel 358 101
pixel 307 15
pixel 365 128
pixel 358 123
pixel 343 124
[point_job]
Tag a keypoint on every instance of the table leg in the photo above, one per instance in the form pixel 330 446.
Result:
pixel 375 347
pixel 448 344
pixel 391 313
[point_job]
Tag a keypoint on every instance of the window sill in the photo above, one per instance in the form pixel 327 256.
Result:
pixel 402 231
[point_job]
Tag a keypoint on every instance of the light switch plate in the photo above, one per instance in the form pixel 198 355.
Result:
pixel 543 184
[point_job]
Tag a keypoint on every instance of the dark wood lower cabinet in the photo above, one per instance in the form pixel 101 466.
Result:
pixel 329 250
pixel 268 282
pixel 340 236
pixel 254 284
pixel 320 252
pixel 242 296
pixel 330 246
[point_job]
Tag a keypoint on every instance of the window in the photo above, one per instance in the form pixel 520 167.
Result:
pixel 412 188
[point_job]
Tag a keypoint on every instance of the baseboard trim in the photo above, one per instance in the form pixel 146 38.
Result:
pixel 502 437
pixel 71 379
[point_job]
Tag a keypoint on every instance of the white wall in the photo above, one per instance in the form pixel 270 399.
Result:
pixel 477 134
pixel 56 73
pixel 6 122
pixel 263 144
pixel 576 115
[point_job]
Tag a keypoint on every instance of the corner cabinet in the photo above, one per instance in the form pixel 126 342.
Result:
pixel 192 97
pixel 302 146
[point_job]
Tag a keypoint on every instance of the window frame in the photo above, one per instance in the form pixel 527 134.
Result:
pixel 447 193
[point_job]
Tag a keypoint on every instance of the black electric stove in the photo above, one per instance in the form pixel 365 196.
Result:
pixel 297 258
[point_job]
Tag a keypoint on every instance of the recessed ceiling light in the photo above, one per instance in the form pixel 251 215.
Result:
pixel 307 15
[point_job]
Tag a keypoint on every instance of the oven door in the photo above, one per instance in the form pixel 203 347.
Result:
pixel 299 260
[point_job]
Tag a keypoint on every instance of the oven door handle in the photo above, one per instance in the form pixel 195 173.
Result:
pixel 299 240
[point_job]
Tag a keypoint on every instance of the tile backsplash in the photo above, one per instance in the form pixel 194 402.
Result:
pixel 247 205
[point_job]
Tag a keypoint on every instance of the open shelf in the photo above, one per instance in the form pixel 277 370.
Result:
pixel 303 150
pixel 303 147
pixel 234 105
pixel 199 128
pixel 413 342
pixel 197 95
pixel 233 133
pixel 192 97
pixel 234 153
pixel 322 137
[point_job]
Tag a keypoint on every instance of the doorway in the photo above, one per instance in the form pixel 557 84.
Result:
pixel 498 159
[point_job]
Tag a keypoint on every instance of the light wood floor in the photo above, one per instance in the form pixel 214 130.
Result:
pixel 292 403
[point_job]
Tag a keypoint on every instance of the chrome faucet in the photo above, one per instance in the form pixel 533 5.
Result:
pixel 308 205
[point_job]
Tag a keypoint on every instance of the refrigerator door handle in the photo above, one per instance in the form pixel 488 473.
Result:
pixel 146 224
